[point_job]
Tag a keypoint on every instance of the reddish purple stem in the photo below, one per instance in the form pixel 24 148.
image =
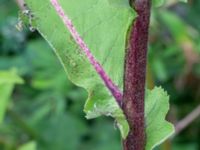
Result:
pixel 135 75
pixel 68 23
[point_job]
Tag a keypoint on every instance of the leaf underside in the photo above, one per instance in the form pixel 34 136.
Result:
pixel 103 25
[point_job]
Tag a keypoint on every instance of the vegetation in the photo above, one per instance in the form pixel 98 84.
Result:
pixel 46 110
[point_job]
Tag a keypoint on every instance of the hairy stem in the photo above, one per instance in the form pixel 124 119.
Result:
pixel 99 69
pixel 135 75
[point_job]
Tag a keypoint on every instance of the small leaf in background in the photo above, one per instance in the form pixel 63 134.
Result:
pixel 156 108
pixel 7 81
pixel 28 146
pixel 158 2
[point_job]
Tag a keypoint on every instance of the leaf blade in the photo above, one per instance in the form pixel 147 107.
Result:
pixel 103 20
pixel 7 81
pixel 156 108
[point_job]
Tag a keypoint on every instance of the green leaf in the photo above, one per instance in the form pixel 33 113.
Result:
pixel 156 108
pixel 28 146
pixel 103 25
pixel 158 3
pixel 7 81
pixel 176 26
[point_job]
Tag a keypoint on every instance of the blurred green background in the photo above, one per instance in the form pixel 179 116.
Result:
pixel 46 111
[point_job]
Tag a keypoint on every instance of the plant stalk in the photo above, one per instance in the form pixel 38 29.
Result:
pixel 180 126
pixel 135 75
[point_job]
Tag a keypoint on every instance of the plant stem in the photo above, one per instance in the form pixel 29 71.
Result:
pixel 22 124
pixel 187 120
pixel 135 75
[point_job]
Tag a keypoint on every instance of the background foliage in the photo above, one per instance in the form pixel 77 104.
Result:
pixel 45 112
